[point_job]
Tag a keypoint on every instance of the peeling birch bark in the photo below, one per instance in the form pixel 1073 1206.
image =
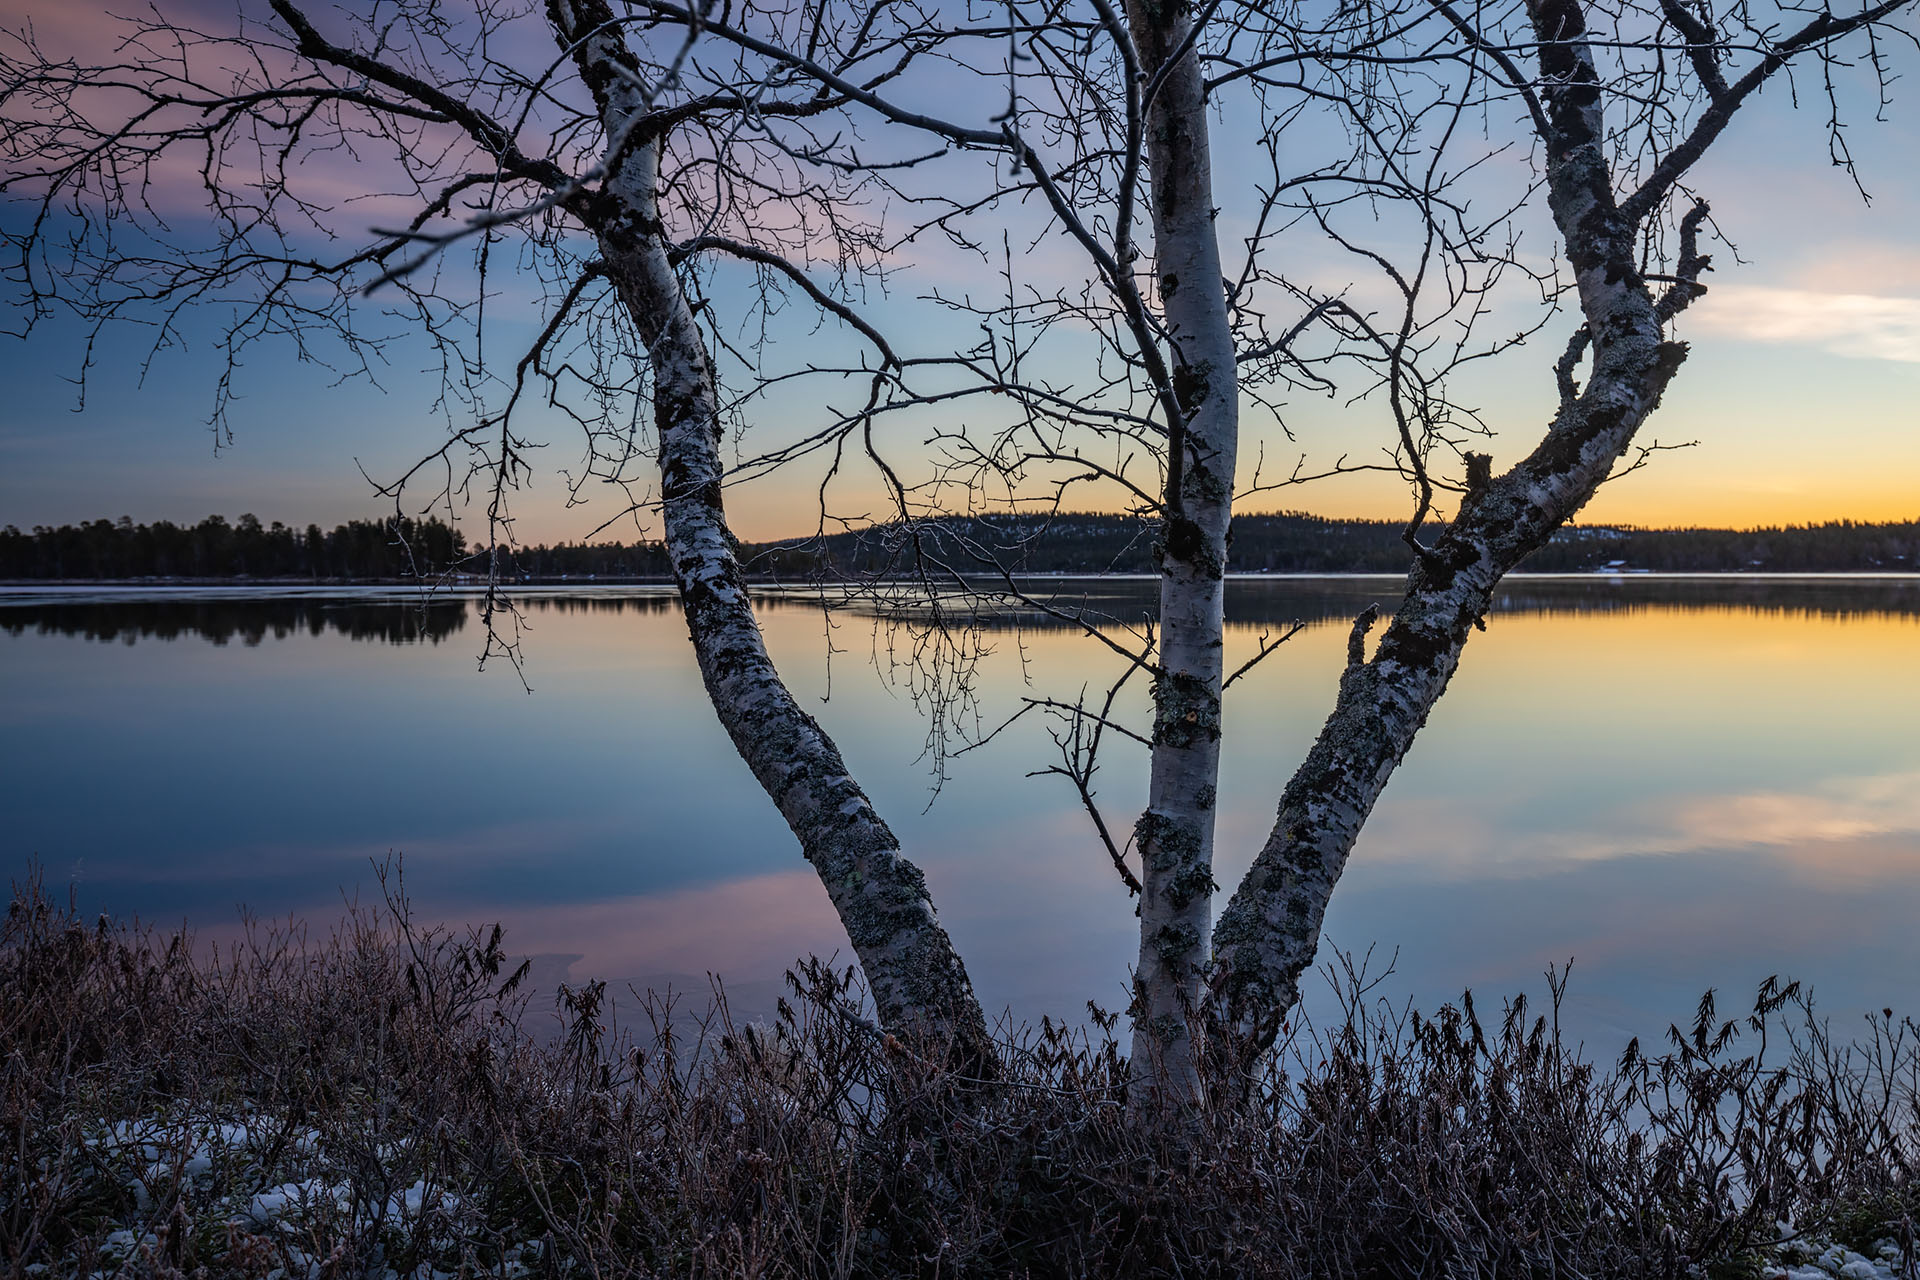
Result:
pixel 1175 834
pixel 1270 930
pixel 918 981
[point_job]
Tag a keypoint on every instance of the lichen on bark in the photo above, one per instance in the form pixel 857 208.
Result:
pixel 920 987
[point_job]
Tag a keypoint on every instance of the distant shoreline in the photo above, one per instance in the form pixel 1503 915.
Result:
pixel 408 551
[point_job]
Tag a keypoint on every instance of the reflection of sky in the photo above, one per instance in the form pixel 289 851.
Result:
pixel 1672 797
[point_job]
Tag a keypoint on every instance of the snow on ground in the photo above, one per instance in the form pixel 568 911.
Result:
pixel 1814 1261
pixel 217 1168
pixel 220 1162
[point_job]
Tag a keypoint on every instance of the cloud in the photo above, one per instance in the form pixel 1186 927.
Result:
pixel 1860 325
pixel 1876 267
pixel 1844 828
pixel 1839 809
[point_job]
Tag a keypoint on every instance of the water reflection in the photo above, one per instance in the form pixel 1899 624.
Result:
pixel 248 619
pixel 1256 601
pixel 1270 600
pixel 405 617
pixel 1677 782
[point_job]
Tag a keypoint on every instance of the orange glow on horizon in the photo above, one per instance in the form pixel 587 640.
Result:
pixel 775 510
pixel 1726 514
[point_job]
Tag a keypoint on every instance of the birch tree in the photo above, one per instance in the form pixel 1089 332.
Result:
pixel 1629 245
pixel 1107 133
pixel 612 168
pixel 1607 190
pixel 648 140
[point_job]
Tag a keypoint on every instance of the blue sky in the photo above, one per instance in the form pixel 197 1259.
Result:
pixel 1800 392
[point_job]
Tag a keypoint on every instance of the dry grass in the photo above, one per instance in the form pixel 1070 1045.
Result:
pixel 374 1104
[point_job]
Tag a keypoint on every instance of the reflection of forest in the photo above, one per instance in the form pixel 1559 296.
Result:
pixel 1271 601
pixel 251 618
pixel 248 619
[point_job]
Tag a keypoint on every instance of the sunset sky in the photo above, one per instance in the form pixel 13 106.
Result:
pixel 1801 391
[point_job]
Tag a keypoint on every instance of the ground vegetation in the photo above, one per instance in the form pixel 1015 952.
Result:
pixel 390 1100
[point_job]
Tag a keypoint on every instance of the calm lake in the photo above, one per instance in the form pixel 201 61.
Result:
pixel 1676 783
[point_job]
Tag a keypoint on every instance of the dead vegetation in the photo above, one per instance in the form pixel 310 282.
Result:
pixel 378 1103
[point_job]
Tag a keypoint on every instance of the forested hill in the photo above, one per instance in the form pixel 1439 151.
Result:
pixel 1283 543
pixel 1086 543
pixel 359 550
pixel 1838 546
pixel 214 548
pixel 1290 542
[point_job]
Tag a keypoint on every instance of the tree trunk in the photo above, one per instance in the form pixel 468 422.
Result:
pixel 918 981
pixel 1175 834
pixel 1268 934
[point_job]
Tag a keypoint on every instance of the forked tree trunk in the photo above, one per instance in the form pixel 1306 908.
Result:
pixel 1175 834
pixel 918 981
pixel 1267 936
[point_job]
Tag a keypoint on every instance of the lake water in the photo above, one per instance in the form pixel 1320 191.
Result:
pixel 1675 783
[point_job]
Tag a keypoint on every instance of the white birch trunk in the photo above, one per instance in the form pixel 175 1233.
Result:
pixel 1268 934
pixel 918 982
pixel 1175 834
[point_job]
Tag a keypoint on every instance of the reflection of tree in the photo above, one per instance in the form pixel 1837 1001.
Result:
pixel 1792 598
pixel 652 602
pixel 250 620
pixel 1251 603
pixel 1269 602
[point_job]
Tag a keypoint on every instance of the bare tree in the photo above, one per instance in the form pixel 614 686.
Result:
pixel 1106 131
pixel 1608 190
pixel 1112 113
pixel 616 168
pixel 649 140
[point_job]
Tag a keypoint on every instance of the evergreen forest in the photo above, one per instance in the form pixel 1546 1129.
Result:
pixel 1071 543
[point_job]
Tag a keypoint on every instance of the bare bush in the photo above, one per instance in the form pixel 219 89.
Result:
pixel 380 1102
